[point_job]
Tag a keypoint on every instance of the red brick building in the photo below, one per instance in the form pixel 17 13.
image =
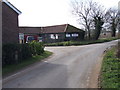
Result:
pixel 10 28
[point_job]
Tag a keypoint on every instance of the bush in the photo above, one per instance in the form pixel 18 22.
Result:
pixel 36 48
pixel 8 54
pixel 24 51
pixel 68 43
pixel 15 53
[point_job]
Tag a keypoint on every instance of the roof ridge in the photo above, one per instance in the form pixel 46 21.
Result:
pixel 54 25
pixel 12 7
pixel 28 27
pixel 42 26
pixel 66 27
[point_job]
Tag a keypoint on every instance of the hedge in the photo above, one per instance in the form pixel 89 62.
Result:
pixel 76 43
pixel 15 53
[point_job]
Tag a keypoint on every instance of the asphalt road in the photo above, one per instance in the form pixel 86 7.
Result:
pixel 68 67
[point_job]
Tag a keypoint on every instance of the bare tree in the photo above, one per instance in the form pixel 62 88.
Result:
pixel 113 20
pixel 82 10
pixel 98 14
pixel 90 15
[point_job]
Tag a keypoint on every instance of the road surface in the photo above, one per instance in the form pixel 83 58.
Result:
pixel 68 67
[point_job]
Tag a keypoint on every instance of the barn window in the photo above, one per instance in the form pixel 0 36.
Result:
pixel 56 36
pixel 75 35
pixel 52 36
pixel 67 35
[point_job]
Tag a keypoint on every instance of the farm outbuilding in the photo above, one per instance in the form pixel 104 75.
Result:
pixel 57 33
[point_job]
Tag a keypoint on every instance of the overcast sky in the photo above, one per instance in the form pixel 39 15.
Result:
pixel 50 12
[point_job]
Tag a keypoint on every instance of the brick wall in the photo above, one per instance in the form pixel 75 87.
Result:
pixel 9 25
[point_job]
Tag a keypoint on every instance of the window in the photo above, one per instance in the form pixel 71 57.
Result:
pixel 75 35
pixel 56 36
pixel 29 39
pixel 52 36
pixel 21 36
pixel 67 35
pixel 39 39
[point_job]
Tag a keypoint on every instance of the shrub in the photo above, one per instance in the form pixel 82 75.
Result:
pixel 68 43
pixel 15 53
pixel 24 51
pixel 8 54
pixel 86 42
pixel 32 48
pixel 36 47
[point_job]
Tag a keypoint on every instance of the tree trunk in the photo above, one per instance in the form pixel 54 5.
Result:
pixel 113 29
pixel 98 27
pixel 89 36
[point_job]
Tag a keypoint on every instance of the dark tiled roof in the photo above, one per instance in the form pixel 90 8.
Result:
pixel 50 29
pixel 29 30
pixel 54 29
pixel 71 28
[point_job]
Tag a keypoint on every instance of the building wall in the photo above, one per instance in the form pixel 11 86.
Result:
pixel 73 30
pixel 61 37
pixel 0 45
pixel 58 37
pixel 0 25
pixel 53 34
pixel 70 36
pixel 10 30
pixel 30 30
pixel 105 35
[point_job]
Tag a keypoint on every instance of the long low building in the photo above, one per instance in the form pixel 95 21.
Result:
pixel 50 34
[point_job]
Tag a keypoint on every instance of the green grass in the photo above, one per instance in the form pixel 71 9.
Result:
pixel 110 71
pixel 15 67
pixel 86 42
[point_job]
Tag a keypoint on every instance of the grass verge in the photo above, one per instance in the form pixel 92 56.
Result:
pixel 69 43
pixel 15 67
pixel 110 70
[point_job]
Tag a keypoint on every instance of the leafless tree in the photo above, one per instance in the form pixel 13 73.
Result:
pixel 87 12
pixel 113 20
pixel 98 14
pixel 82 11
